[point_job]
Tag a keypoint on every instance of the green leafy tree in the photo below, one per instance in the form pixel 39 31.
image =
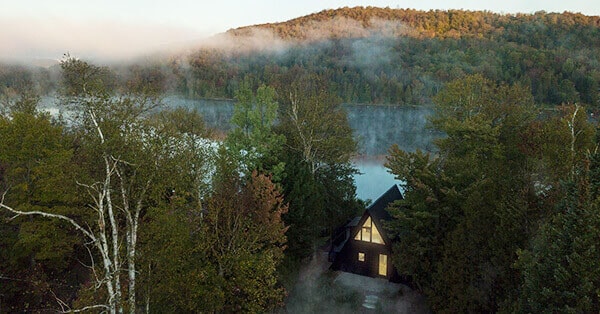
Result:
pixel 82 79
pixel 568 140
pixel 315 124
pixel 469 209
pixel 244 238
pixel 317 154
pixel 177 274
pixel 253 138
pixel 39 257
pixel 561 270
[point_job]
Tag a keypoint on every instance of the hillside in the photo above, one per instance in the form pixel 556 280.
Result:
pixel 375 55
pixel 387 56
pixel 366 21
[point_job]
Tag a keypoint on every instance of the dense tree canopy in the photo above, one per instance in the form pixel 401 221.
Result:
pixel 142 209
pixel 116 185
pixel 376 55
pixel 491 192
pixel 38 256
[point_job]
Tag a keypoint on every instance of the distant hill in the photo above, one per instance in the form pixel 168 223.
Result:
pixel 404 56
pixel 385 56
pixel 366 21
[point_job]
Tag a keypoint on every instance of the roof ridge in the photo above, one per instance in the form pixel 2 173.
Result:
pixel 377 210
pixel 384 194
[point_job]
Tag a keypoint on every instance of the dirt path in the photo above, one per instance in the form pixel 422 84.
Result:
pixel 320 290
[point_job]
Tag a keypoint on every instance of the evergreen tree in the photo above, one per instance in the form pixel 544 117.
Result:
pixel 561 269
pixel 467 210
pixel 39 258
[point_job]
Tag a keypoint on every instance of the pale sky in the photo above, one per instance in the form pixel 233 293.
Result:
pixel 124 28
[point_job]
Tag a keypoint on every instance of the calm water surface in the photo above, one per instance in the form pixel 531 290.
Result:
pixel 375 128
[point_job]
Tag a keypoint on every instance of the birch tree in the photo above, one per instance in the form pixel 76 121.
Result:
pixel 129 159
pixel 315 124
pixel 317 154
pixel 568 138
pixel 142 154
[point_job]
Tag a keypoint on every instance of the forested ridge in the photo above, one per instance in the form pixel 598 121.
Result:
pixel 433 23
pixel 376 55
pixel 383 55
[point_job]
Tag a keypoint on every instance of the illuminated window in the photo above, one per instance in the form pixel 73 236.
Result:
pixel 382 265
pixel 361 256
pixel 369 233
pixel 375 236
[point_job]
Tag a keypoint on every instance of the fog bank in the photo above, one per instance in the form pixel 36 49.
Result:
pixel 24 39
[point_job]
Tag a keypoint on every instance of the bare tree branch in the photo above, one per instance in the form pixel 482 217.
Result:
pixel 44 214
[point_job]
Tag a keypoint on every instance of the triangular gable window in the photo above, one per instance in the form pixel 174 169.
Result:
pixel 369 233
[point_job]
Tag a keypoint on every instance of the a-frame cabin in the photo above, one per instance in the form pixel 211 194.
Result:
pixel 363 247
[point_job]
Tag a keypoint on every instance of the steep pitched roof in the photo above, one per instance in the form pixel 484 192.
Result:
pixel 377 209
pixel 354 222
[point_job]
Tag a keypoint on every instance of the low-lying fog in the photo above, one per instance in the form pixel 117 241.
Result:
pixel 376 128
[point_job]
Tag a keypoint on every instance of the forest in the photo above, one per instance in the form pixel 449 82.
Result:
pixel 504 217
pixel 381 55
pixel 124 204
pixel 395 56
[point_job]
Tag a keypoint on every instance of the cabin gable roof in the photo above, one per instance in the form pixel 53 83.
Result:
pixel 375 223
pixel 377 210
pixel 378 213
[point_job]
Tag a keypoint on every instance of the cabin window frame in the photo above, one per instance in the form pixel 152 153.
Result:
pixel 369 232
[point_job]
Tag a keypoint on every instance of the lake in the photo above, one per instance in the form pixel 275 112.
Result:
pixel 376 128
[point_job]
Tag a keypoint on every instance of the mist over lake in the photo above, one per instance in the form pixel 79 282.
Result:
pixel 376 128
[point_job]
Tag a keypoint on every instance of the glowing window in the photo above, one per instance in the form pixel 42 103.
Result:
pixel 369 233
pixel 375 235
pixel 361 256
pixel 382 265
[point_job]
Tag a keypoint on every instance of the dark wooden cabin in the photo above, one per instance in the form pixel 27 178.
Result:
pixel 362 246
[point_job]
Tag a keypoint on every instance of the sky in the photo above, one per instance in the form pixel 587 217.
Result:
pixel 114 29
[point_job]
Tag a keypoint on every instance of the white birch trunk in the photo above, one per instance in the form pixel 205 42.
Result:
pixel 110 210
pixel 574 134
pixel 112 267
pixel 98 240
